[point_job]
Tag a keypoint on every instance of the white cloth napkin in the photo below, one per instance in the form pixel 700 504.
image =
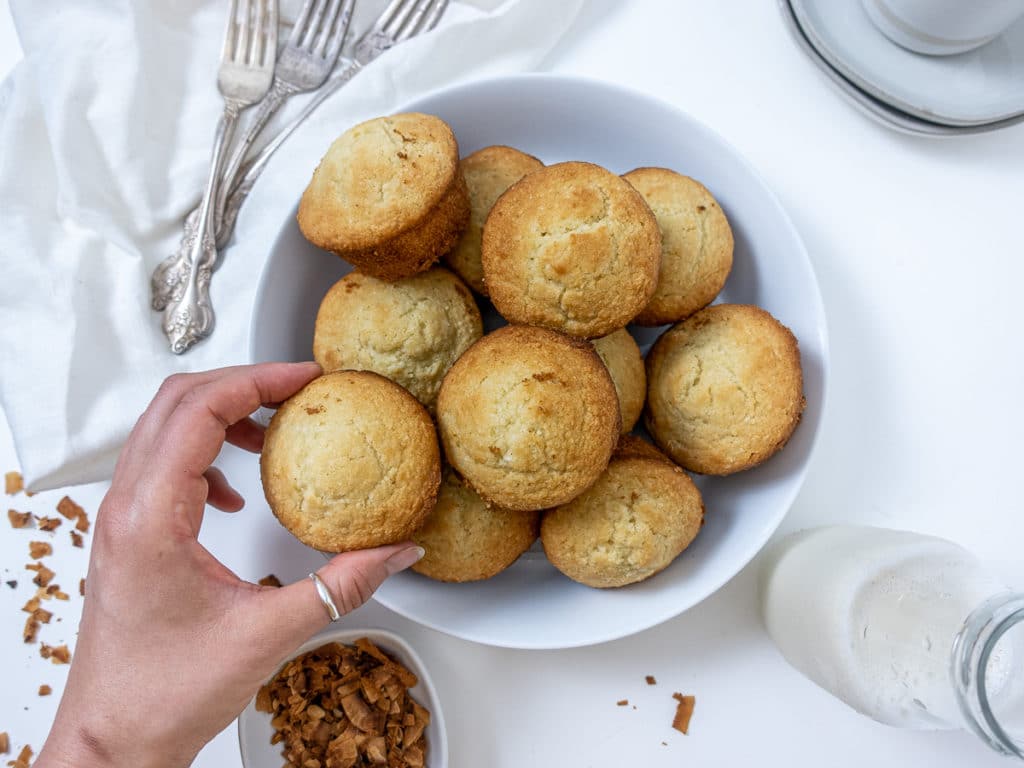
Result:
pixel 105 134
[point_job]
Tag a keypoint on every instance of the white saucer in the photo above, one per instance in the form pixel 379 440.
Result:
pixel 974 88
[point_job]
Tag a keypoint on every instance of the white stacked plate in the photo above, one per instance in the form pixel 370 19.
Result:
pixel 980 90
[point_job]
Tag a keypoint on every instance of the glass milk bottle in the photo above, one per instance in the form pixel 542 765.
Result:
pixel 910 630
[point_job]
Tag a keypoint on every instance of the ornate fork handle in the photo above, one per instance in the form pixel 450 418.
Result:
pixel 268 107
pixel 188 314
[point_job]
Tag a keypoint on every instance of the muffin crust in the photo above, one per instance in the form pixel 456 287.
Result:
pixel 632 523
pixel 620 354
pixel 696 244
pixel 388 196
pixel 466 540
pixel 351 461
pixel 529 417
pixel 725 389
pixel 571 247
pixel 488 172
pixel 410 331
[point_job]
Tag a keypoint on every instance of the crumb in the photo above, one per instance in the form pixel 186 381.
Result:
pixel 82 524
pixel 45 690
pixel 54 591
pixel 12 584
pixel 39 549
pixel 76 539
pixel 69 509
pixel 57 655
pixel 634 706
pixel 19 519
pixel 31 629
pixel 622 702
pixel 270 581
pixel 48 523
pixel 664 743
pixel 346 706
pixel 13 483
pixel 684 711
pixel 81 587
pixel 43 574
pixel 5 743
pixel 650 680
pixel 24 757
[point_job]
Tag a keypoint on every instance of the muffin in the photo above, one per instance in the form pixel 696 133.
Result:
pixel 529 417
pixel 388 197
pixel 724 389
pixel 629 525
pixel 571 247
pixel 489 172
pixel 696 244
pixel 351 461
pixel 465 540
pixel 410 331
pixel 620 354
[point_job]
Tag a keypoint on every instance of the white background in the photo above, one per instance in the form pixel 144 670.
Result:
pixel 919 248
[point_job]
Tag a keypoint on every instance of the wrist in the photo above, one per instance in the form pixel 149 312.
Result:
pixel 71 745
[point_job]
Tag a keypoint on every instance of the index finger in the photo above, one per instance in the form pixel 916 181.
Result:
pixel 195 431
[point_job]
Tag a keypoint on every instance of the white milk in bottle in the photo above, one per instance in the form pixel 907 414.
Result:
pixel 873 615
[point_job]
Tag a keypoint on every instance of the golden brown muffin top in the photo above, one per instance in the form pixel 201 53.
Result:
pixel 571 247
pixel 528 416
pixel 696 244
pixel 410 331
pixel 377 180
pixel 466 540
pixel 620 354
pixel 725 389
pixel 351 461
pixel 489 172
pixel 632 523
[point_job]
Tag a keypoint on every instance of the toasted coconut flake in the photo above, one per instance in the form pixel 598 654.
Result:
pixel 76 539
pixel 342 706
pixel 81 587
pixel 37 550
pixel 56 654
pixel 69 509
pixel 13 483
pixel 48 523
pixel 24 758
pixel 43 574
pixel 19 519
pixel 684 711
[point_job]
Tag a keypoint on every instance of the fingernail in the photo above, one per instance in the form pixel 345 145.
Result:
pixel 402 560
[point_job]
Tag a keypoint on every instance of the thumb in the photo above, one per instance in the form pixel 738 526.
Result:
pixel 351 578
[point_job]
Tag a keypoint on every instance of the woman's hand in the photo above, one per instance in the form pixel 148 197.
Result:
pixel 172 645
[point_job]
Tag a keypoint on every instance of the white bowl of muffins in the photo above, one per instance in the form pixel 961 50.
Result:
pixel 479 276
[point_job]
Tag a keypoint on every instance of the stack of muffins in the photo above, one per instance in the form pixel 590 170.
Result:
pixel 473 446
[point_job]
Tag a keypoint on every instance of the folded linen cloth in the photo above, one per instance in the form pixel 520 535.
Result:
pixel 105 134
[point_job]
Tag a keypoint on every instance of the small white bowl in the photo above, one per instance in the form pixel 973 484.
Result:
pixel 255 731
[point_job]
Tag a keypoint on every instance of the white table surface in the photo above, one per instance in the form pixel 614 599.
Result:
pixel 918 248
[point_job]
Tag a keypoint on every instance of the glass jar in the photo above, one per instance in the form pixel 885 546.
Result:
pixel 910 630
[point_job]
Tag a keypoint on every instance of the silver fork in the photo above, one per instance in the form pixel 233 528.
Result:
pixel 399 21
pixel 244 77
pixel 303 64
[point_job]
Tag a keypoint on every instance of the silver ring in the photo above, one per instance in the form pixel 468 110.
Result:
pixel 325 597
